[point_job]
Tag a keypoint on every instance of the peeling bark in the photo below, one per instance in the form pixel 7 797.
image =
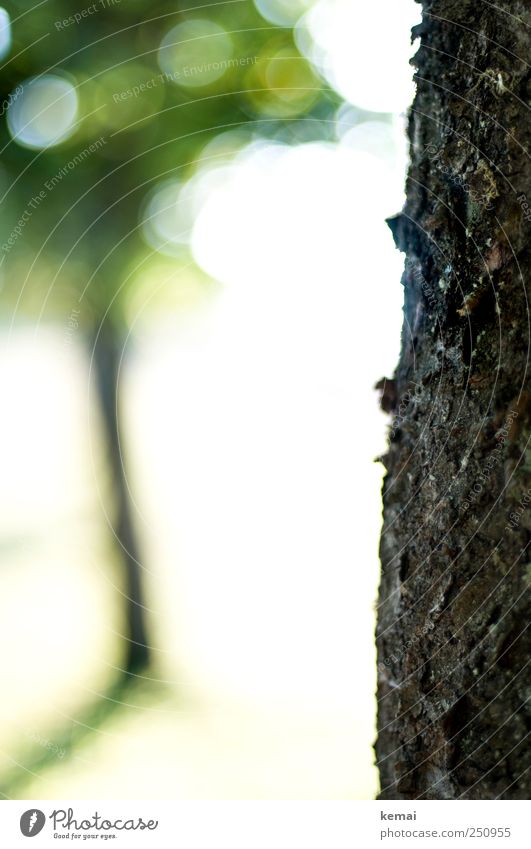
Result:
pixel 453 638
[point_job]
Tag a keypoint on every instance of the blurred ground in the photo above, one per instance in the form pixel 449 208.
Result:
pixel 259 611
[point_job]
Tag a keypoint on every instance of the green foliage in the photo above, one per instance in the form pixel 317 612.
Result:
pixel 144 116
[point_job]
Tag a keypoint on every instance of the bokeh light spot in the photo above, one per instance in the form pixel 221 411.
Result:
pixel 127 97
pixel 196 53
pixel 352 44
pixel 44 112
pixel 281 83
pixel 5 33
pixel 283 13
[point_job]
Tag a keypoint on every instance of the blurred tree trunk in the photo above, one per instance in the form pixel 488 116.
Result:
pixel 107 352
pixel 453 639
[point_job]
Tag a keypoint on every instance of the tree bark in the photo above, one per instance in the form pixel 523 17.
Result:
pixel 452 635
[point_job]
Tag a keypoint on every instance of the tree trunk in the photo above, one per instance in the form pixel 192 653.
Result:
pixel 453 643
pixel 106 354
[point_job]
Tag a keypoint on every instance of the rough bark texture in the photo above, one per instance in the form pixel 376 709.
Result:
pixel 453 637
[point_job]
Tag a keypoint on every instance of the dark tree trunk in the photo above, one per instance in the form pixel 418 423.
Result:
pixel 453 638
pixel 106 353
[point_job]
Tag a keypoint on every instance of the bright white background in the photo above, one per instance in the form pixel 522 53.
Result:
pixel 251 432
